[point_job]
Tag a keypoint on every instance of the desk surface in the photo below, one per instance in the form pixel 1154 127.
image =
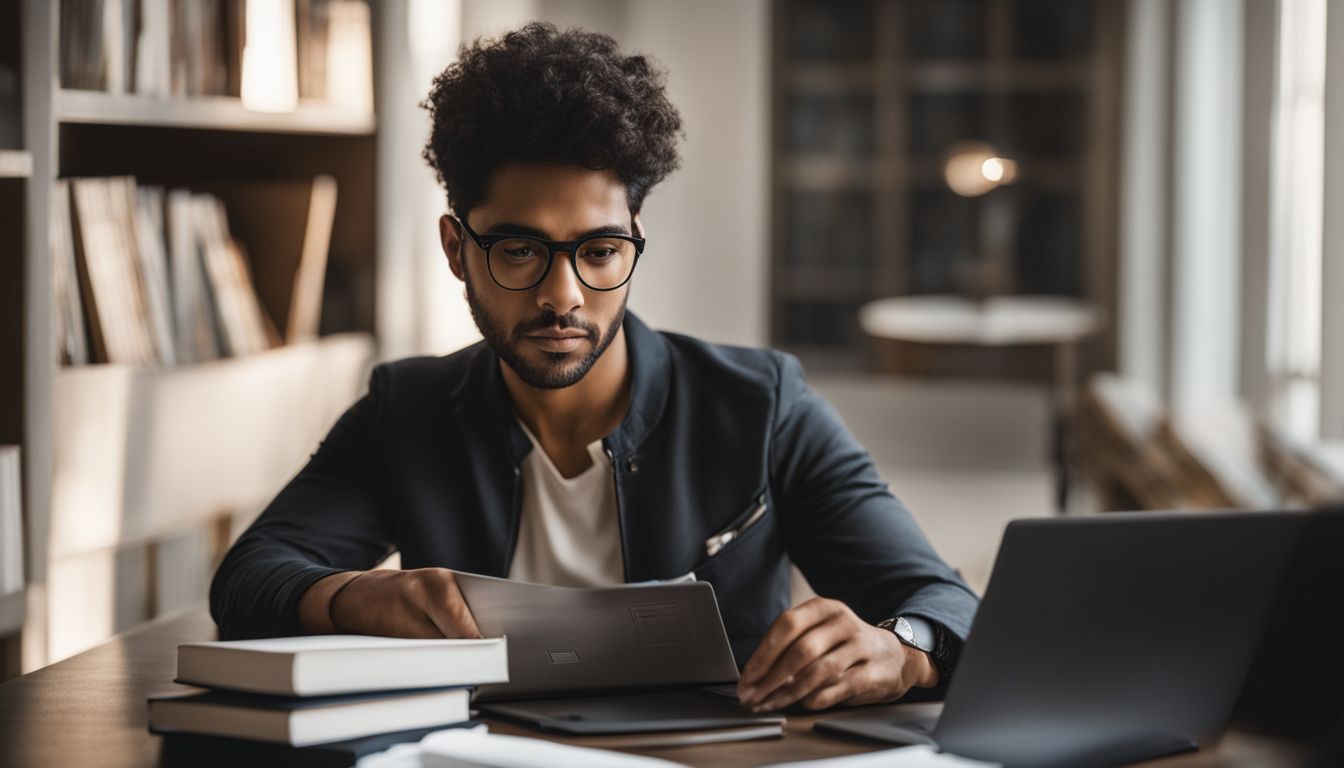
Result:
pixel 90 710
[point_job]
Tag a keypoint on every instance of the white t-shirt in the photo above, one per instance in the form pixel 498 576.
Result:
pixel 569 535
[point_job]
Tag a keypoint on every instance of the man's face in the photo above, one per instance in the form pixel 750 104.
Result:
pixel 552 334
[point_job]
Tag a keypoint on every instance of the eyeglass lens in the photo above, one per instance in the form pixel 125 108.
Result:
pixel 603 263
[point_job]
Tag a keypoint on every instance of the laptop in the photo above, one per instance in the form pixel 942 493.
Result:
pixel 629 659
pixel 1106 640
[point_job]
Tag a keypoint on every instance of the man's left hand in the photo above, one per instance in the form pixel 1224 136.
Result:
pixel 822 654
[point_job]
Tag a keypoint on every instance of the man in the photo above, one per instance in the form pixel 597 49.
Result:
pixel 574 445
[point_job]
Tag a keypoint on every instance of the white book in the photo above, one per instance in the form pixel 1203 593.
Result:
pixel 330 664
pixel 153 49
pixel 349 65
pixel 302 722
pixel 11 521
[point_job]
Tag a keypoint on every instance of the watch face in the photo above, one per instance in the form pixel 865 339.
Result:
pixel 903 630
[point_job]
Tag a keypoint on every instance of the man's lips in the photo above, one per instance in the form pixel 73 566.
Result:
pixel 558 335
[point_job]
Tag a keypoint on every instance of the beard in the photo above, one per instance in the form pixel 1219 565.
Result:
pixel 559 370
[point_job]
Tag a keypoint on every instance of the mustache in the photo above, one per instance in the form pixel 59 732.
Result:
pixel 550 320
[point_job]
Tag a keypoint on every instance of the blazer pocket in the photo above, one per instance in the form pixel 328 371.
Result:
pixel 744 522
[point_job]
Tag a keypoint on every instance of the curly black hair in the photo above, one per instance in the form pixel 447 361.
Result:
pixel 539 95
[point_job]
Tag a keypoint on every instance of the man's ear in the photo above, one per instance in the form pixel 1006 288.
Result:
pixel 638 225
pixel 450 236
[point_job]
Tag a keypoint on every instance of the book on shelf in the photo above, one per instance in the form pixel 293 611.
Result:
pixel 197 339
pixel 244 326
pixel 153 49
pixel 176 48
pixel 338 664
pixel 149 233
pixel 11 521
pixel 106 261
pixel 311 51
pixel 301 722
pixel 71 340
pixel 11 116
pixel 349 65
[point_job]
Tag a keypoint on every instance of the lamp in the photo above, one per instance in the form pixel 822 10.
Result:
pixel 973 169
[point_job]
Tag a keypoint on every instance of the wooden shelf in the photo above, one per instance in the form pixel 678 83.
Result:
pixel 815 283
pixel 830 77
pixel 1014 76
pixel 116 426
pixel 207 112
pixel 15 164
pixel 822 172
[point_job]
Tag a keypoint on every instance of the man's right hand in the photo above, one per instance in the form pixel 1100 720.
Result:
pixel 420 603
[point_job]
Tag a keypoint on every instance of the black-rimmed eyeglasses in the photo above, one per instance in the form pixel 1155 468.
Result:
pixel 520 262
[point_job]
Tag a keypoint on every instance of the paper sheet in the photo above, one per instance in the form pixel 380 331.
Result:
pixel 478 748
pixel 922 756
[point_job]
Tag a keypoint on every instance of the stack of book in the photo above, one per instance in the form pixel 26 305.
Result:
pixel 302 691
pixel 145 275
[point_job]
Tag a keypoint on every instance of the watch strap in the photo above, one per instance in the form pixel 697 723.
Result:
pixel 930 637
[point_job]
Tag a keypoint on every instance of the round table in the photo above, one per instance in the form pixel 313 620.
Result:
pixel 1051 321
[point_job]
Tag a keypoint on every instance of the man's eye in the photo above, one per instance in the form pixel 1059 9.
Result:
pixel 599 254
pixel 520 253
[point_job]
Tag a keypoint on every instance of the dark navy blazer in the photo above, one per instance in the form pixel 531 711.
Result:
pixel 428 463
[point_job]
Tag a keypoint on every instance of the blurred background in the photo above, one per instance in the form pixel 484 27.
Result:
pixel 1044 256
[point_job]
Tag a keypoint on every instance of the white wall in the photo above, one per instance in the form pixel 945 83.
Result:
pixel 1143 182
pixel 1332 306
pixel 1206 204
pixel 706 271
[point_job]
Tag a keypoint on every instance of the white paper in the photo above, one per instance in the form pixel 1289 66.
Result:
pixel 921 756
pixel 472 749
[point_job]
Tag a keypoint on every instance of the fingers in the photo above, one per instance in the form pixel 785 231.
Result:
pixel 846 690
pixel 827 670
pixel 444 607
pixel 466 623
pixel 790 625
pixel 804 660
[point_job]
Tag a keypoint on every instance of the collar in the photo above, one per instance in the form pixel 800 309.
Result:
pixel 481 397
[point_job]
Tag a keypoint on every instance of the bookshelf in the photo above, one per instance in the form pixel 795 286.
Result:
pixel 870 96
pixel 100 511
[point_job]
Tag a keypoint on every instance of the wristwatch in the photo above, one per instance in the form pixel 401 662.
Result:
pixel 924 635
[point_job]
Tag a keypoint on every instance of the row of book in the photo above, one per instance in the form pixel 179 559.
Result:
pixel 310 49
pixel 146 275
pixel 304 691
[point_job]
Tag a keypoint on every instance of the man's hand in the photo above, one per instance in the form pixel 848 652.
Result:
pixel 821 654
pixel 420 603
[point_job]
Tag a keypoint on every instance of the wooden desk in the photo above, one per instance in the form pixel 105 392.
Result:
pixel 90 710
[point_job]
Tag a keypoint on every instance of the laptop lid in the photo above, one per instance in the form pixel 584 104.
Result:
pixel 1115 637
pixel 566 641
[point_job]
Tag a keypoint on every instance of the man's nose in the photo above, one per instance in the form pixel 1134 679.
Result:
pixel 561 292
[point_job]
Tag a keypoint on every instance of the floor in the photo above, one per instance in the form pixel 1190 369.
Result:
pixel 965 457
